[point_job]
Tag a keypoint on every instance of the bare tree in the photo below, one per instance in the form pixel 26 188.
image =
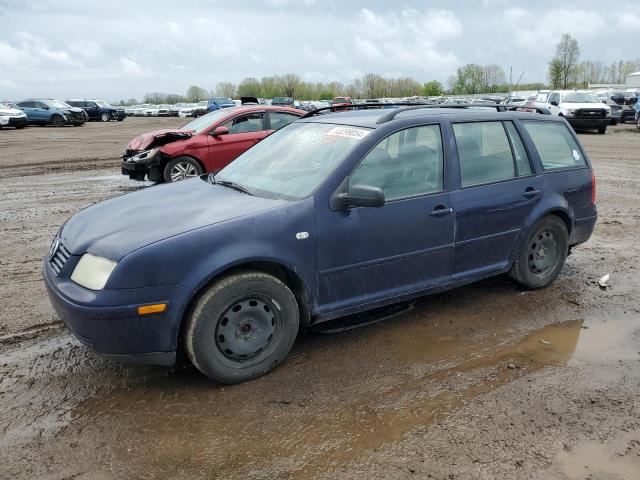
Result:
pixel 196 94
pixel 493 75
pixel 567 54
pixel 224 89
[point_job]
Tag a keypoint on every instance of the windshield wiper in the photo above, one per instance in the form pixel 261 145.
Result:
pixel 229 184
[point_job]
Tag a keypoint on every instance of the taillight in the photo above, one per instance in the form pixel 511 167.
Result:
pixel 593 188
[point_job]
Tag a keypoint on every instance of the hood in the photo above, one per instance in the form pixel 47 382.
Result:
pixel 116 227
pixel 575 106
pixel 157 138
pixel 72 109
pixel 11 111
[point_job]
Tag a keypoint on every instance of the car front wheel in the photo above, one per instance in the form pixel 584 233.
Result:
pixel 181 168
pixel 540 258
pixel 105 117
pixel 58 121
pixel 242 327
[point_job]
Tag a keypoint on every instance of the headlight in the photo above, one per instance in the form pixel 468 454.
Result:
pixel 92 272
pixel 146 156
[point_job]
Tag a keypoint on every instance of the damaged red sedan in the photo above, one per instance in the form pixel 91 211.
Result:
pixel 206 144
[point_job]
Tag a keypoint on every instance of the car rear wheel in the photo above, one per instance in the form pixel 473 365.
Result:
pixel 105 117
pixel 541 257
pixel 242 327
pixel 602 130
pixel 181 168
pixel 58 121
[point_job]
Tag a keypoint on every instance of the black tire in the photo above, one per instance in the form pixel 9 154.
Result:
pixel 181 168
pixel 105 117
pixel 241 327
pixel 542 255
pixel 20 127
pixel 602 130
pixel 58 121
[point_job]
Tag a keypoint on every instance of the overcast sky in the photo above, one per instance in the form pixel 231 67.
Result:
pixel 116 49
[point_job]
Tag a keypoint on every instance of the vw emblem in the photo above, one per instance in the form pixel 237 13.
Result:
pixel 54 247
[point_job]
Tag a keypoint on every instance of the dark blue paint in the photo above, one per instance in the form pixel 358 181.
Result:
pixel 171 241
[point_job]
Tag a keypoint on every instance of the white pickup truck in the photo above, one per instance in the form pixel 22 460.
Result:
pixel 578 108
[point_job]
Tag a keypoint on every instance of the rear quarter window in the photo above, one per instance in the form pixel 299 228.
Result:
pixel 555 144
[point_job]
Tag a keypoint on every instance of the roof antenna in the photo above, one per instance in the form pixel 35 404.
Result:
pixel 515 87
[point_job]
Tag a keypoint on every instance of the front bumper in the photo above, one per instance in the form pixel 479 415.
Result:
pixel 589 123
pixel 107 321
pixel 18 122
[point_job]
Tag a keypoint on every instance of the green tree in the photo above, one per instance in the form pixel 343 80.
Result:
pixel 249 87
pixel 432 89
pixel 469 79
pixel 555 73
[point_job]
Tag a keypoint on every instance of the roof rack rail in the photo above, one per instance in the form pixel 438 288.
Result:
pixel 358 106
pixel 409 106
pixel 391 115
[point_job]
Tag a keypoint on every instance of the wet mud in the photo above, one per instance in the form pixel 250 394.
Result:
pixel 486 381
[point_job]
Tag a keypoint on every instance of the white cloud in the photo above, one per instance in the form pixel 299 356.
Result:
pixel 133 68
pixel 536 30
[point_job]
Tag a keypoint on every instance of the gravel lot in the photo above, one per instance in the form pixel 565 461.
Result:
pixel 487 381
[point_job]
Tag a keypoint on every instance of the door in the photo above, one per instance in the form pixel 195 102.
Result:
pixel 28 109
pixel 92 109
pixel 375 254
pixel 41 112
pixel 498 191
pixel 555 98
pixel 244 132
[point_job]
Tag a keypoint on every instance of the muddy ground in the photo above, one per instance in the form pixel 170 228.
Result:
pixel 487 381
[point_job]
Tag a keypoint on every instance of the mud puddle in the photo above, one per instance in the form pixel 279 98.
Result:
pixel 336 398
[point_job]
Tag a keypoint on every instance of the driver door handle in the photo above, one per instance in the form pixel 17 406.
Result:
pixel 441 211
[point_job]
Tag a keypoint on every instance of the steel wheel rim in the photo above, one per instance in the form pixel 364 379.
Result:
pixel 105 117
pixel 544 252
pixel 246 329
pixel 182 170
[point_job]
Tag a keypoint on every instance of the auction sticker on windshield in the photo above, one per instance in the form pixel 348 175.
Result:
pixel 348 132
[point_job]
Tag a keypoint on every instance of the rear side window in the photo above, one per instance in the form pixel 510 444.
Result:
pixel 280 119
pixel 555 144
pixel 489 152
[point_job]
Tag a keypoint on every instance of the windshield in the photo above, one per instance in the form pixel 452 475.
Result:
pixel 103 104
pixel 286 100
pixel 341 100
pixel 200 124
pixel 222 100
pixel 57 104
pixel 576 97
pixel 292 162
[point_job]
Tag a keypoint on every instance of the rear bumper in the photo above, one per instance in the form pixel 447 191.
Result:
pixel 107 321
pixel 589 123
pixel 582 230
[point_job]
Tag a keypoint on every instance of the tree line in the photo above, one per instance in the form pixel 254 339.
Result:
pixel 565 71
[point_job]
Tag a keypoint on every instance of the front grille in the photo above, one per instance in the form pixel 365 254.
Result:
pixel 590 113
pixel 59 258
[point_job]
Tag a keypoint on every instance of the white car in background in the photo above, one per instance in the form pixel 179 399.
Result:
pixel 12 117
pixel 130 110
pixel 151 111
pixel 580 109
pixel 164 110
pixel 187 110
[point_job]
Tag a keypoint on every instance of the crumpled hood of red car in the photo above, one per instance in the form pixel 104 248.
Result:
pixel 144 141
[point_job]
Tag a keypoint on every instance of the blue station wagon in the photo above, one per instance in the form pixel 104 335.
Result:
pixel 334 215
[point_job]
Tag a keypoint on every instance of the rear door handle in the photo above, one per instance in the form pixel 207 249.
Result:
pixel 441 211
pixel 531 193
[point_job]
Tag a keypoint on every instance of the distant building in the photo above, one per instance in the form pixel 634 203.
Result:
pixel 633 80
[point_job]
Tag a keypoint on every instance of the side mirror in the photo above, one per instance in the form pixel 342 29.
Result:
pixel 358 196
pixel 554 103
pixel 220 131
